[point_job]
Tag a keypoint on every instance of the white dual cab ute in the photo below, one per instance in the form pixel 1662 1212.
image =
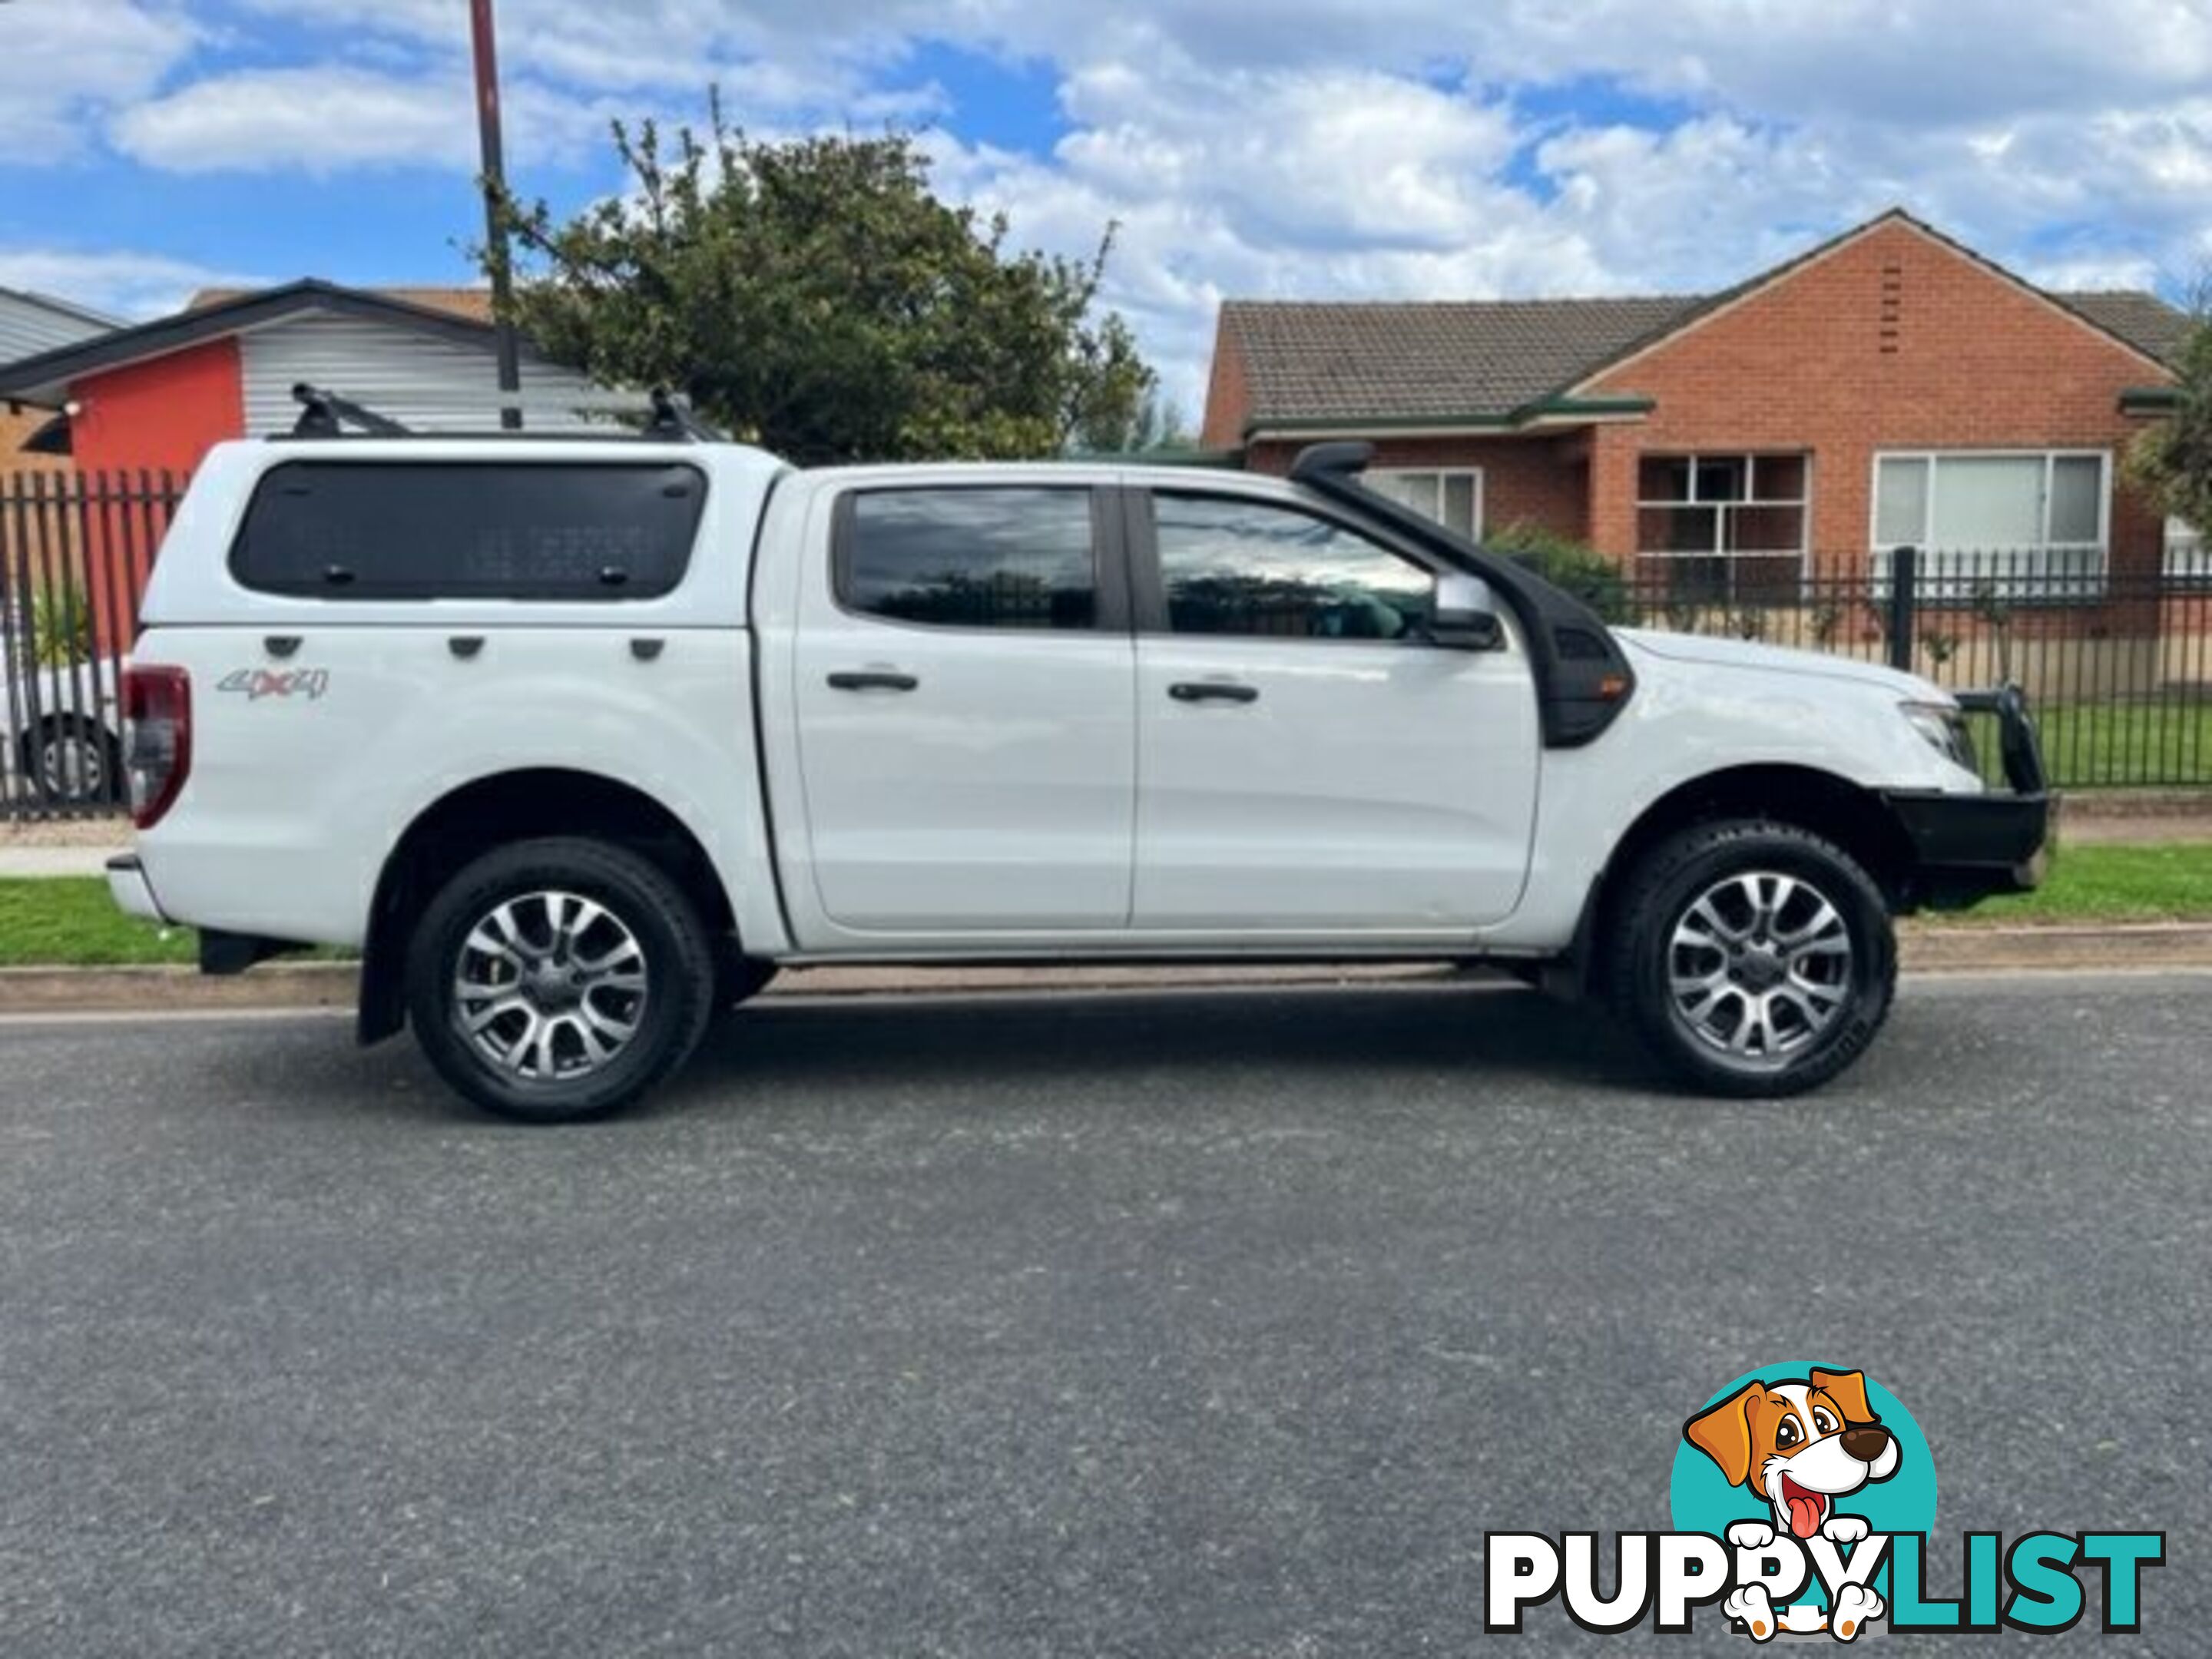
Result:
pixel 578 741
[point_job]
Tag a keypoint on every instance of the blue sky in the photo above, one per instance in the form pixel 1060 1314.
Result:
pixel 1307 148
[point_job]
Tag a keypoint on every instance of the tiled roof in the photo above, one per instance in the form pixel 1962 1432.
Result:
pixel 1305 361
pixel 2143 320
pixel 1486 359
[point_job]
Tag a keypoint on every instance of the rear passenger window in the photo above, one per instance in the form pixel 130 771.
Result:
pixel 489 530
pixel 970 558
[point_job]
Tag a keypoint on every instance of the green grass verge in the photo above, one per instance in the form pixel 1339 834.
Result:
pixel 2161 882
pixel 70 922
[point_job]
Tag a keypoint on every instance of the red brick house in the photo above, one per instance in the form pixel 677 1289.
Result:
pixel 1889 387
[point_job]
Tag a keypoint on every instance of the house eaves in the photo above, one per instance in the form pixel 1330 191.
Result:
pixel 44 379
pixel 1550 412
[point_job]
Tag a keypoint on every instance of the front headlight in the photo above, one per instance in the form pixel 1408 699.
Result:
pixel 1945 729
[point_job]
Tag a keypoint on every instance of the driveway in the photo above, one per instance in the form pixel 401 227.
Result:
pixel 1180 1324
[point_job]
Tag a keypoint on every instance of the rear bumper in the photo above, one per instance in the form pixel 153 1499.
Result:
pixel 1969 848
pixel 132 893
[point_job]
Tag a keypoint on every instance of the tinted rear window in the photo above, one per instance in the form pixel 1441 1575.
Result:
pixel 376 530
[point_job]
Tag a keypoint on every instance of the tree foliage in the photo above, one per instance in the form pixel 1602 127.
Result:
pixel 2172 461
pixel 816 297
pixel 1566 563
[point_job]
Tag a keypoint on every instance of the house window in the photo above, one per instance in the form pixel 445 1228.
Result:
pixel 2010 515
pixel 1726 526
pixel 1452 497
pixel 2187 558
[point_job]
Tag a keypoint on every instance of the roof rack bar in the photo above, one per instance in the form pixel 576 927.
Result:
pixel 324 415
pixel 672 418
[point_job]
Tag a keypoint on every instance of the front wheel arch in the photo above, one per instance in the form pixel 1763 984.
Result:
pixel 1855 818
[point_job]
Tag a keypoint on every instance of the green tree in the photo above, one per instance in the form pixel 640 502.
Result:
pixel 2172 461
pixel 1564 563
pixel 1154 425
pixel 815 297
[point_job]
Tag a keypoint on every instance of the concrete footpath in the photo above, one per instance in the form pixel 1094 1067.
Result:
pixel 33 861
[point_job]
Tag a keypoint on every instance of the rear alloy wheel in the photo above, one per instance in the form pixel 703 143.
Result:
pixel 559 979
pixel 1754 957
pixel 552 985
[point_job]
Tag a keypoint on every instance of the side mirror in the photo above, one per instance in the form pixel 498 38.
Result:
pixel 1467 615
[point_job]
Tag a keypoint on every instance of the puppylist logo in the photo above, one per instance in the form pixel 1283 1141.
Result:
pixel 1801 1498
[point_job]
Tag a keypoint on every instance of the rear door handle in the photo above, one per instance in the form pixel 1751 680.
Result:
pixel 1212 691
pixel 871 680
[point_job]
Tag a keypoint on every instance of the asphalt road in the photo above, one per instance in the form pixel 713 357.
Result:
pixel 1186 1325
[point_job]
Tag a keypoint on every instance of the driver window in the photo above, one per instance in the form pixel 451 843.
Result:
pixel 1251 568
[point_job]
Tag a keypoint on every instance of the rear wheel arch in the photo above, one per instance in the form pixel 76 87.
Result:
pixel 496 811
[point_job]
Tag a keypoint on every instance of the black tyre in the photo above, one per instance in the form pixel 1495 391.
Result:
pixel 559 979
pixel 74 759
pixel 1754 959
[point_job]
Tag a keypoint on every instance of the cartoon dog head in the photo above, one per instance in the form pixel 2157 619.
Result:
pixel 1800 1443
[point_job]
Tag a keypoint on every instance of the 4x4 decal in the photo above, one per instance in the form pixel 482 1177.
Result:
pixel 255 683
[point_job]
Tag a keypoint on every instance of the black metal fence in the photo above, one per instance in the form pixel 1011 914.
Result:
pixel 2117 665
pixel 75 550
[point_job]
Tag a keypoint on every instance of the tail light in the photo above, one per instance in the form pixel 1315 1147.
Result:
pixel 157 738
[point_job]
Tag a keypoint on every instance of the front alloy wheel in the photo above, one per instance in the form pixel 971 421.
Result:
pixel 1759 966
pixel 1753 956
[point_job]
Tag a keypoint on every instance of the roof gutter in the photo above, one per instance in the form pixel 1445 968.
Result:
pixel 1543 412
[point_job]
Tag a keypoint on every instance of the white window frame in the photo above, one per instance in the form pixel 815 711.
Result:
pixel 1748 459
pixel 1473 474
pixel 2188 555
pixel 2031 564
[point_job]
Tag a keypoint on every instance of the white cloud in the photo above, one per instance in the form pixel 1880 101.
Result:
pixel 325 119
pixel 1371 148
pixel 121 283
pixel 63 62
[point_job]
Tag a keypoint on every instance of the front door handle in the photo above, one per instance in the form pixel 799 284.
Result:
pixel 1212 691
pixel 871 680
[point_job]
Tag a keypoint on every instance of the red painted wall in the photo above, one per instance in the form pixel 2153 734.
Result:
pixel 160 416
pixel 163 413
